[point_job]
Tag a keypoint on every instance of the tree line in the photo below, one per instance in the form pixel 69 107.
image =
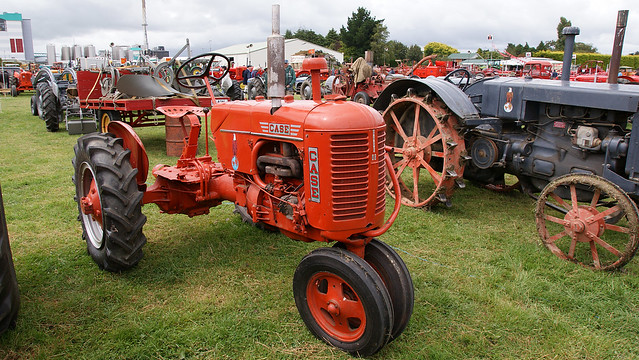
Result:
pixel 365 32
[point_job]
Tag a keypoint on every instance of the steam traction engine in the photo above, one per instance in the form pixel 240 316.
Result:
pixel 315 170
pixel 573 144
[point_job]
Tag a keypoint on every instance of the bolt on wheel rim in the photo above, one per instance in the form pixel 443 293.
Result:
pixel 336 307
pixel 92 225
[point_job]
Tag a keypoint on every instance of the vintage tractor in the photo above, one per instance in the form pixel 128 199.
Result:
pixel 315 170
pixel 21 81
pixel 572 143
pixel 359 84
pixel 56 100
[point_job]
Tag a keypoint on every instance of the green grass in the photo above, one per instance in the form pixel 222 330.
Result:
pixel 211 287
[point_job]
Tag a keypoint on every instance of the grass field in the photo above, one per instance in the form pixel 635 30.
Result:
pixel 211 287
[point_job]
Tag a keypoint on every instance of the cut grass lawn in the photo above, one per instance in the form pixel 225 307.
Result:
pixel 212 287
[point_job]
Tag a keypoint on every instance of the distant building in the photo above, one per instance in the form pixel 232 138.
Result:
pixel 458 58
pixel 255 53
pixel 16 41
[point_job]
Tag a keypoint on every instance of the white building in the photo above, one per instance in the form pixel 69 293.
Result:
pixel 16 41
pixel 255 53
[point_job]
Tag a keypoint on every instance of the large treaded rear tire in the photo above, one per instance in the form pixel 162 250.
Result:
pixel 255 88
pixel 114 239
pixel 50 109
pixel 9 293
pixel 235 92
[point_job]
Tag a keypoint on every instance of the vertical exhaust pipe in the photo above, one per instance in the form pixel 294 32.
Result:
pixel 615 59
pixel 275 61
pixel 569 47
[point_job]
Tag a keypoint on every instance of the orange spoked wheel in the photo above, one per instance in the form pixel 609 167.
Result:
pixel 426 150
pixel 343 301
pixel 588 220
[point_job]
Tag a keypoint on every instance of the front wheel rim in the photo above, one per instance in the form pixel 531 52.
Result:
pixel 336 307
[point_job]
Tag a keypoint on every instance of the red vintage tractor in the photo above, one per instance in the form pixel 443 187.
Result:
pixel 314 170
pixel 21 81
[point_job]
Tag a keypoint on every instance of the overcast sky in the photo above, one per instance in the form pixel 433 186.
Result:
pixel 462 24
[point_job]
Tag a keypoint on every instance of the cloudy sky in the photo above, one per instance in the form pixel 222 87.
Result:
pixel 463 24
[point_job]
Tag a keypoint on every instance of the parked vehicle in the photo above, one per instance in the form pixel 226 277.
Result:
pixel 572 145
pixel 356 295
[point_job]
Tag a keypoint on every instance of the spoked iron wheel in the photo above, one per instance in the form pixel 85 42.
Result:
pixel 343 301
pixel 426 150
pixel 340 85
pixel 588 220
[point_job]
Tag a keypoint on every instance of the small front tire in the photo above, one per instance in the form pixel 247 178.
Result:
pixel 343 301
pixel 362 98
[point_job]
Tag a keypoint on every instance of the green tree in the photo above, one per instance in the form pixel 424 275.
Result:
pixel 333 40
pixel 288 34
pixel 442 50
pixel 396 51
pixel 541 47
pixel 414 53
pixel 378 43
pixel 310 36
pixel 584 48
pixel 561 38
pixel 359 31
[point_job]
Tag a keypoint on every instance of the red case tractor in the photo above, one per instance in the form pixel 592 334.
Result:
pixel 315 170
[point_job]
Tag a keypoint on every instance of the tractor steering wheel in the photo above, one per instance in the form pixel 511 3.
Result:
pixel 461 74
pixel 184 77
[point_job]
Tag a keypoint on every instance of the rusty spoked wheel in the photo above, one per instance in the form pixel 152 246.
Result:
pixel 340 85
pixel 588 220
pixel 343 301
pixel 426 150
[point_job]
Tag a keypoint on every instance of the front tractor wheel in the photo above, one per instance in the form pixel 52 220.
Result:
pixel 109 202
pixel 393 271
pixel 426 150
pixel 588 220
pixel 343 301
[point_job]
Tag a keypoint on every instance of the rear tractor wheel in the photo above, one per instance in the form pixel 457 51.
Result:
pixel 588 220
pixel 50 109
pixel 426 151
pixel 343 301
pixel 105 117
pixel 109 202
pixel 235 91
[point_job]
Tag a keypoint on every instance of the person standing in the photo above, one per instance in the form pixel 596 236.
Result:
pixel 289 78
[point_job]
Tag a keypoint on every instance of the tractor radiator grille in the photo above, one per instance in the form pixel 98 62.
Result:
pixel 350 174
pixel 380 205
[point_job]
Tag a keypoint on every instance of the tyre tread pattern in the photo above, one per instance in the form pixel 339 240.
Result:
pixel 120 197
pixel 50 109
